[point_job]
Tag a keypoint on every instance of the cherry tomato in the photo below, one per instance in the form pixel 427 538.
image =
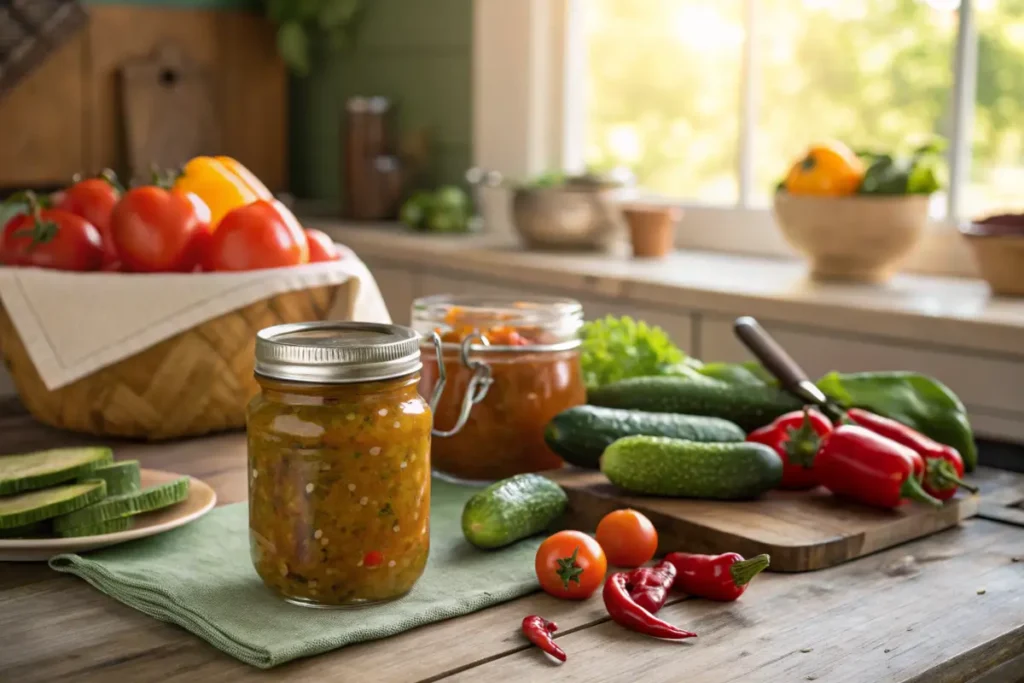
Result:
pixel 570 565
pixel 157 230
pixel 627 537
pixel 263 234
pixel 321 246
pixel 53 238
pixel 93 200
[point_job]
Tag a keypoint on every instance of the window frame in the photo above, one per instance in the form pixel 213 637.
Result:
pixel 528 105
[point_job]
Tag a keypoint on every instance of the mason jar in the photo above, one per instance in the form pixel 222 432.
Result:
pixel 339 463
pixel 512 365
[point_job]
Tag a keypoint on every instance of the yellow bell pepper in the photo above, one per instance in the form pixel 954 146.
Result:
pixel 829 169
pixel 247 177
pixel 216 185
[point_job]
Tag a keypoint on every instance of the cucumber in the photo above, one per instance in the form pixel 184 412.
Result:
pixel 34 530
pixel 108 527
pixel 47 468
pixel 153 498
pixel 580 434
pixel 34 506
pixel 122 477
pixel 512 509
pixel 749 406
pixel 661 466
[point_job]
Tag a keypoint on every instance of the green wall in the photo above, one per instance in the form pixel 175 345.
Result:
pixel 416 52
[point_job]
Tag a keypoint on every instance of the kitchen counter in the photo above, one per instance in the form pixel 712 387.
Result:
pixel 946 608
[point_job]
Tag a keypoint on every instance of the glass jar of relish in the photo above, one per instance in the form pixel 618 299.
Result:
pixel 339 463
pixel 513 364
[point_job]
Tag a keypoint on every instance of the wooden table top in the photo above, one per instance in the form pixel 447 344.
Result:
pixel 946 608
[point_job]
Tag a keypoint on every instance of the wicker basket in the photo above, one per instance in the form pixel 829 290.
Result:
pixel 196 382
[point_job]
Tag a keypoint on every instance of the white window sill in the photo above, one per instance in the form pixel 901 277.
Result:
pixel 936 311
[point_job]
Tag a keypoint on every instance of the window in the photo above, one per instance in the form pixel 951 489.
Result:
pixel 709 100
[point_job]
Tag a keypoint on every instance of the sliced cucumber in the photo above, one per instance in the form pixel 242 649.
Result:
pixel 153 498
pixel 34 530
pixel 122 477
pixel 41 469
pixel 108 527
pixel 34 506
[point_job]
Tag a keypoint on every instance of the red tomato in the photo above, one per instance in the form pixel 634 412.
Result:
pixel 93 200
pixel 627 537
pixel 570 565
pixel 321 246
pixel 53 239
pixel 159 231
pixel 263 234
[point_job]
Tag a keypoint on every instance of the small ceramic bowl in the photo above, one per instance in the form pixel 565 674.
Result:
pixel 998 246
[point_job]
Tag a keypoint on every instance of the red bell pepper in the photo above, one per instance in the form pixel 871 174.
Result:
pixel 859 464
pixel 716 577
pixel 942 466
pixel 796 437
pixel 649 586
pixel 538 631
pixel 625 612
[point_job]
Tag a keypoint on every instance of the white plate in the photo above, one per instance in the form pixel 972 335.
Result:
pixel 201 499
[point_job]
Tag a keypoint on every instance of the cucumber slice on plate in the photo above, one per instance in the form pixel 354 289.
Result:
pixel 34 530
pixel 122 477
pixel 47 468
pixel 108 527
pixel 34 506
pixel 153 498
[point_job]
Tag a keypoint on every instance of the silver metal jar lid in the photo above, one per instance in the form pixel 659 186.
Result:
pixel 337 352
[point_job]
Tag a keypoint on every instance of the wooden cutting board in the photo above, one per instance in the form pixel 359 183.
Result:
pixel 169 106
pixel 801 530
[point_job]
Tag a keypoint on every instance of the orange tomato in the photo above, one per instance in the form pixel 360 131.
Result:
pixel 828 169
pixel 627 537
pixel 570 565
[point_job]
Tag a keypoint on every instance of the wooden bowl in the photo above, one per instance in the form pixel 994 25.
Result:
pixel 998 246
pixel 852 238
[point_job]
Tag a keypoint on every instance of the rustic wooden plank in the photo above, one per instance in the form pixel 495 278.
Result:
pixel 43 121
pixel 899 615
pixel 253 96
pixel 67 628
pixel 801 530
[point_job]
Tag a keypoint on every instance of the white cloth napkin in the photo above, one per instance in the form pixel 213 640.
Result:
pixel 73 324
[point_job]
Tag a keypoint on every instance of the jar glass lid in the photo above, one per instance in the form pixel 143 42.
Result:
pixel 337 352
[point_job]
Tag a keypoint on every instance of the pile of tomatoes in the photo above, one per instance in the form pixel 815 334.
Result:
pixel 95 225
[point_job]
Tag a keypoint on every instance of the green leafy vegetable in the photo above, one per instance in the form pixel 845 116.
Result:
pixel 918 401
pixel 619 348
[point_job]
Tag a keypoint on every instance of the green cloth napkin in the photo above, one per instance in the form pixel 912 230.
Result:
pixel 200 578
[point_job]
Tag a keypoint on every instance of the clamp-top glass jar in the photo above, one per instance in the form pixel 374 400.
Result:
pixel 512 365
pixel 339 463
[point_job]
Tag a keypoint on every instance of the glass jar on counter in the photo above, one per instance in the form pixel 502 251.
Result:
pixel 512 365
pixel 339 463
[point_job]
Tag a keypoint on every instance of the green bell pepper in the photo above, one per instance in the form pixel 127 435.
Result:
pixel 918 401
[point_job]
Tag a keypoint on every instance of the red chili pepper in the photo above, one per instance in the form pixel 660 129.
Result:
pixel 859 464
pixel 796 437
pixel 538 631
pixel 716 577
pixel 649 586
pixel 625 612
pixel 942 468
